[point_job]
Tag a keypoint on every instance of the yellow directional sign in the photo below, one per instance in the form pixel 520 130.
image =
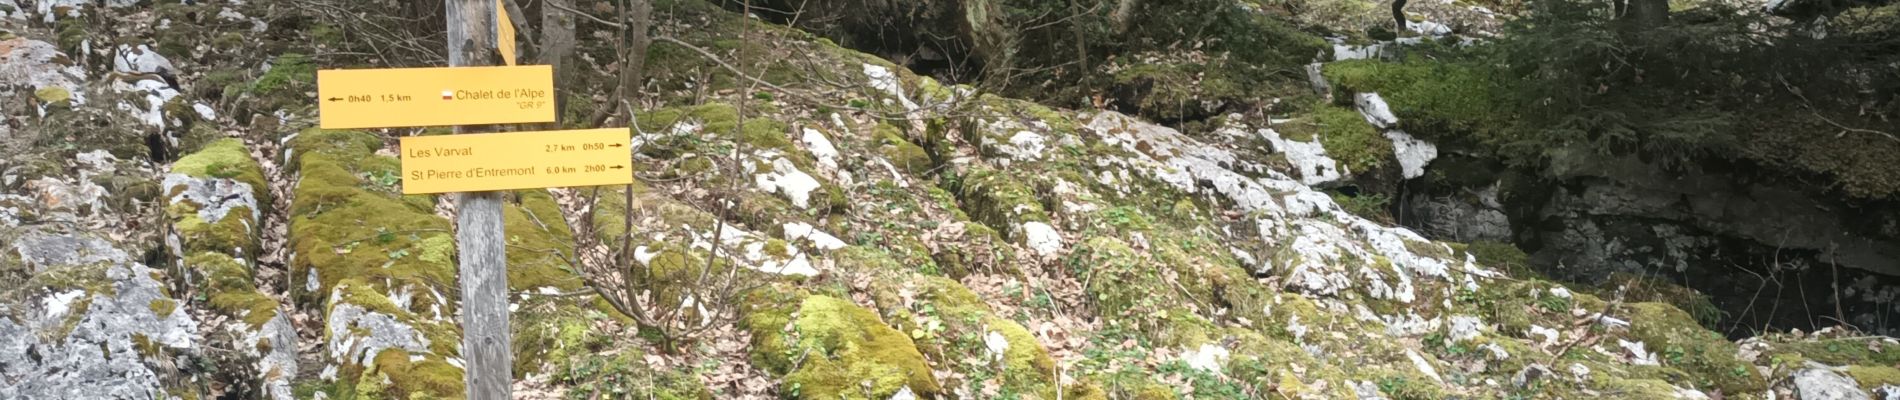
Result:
pixel 504 33
pixel 385 98
pixel 521 160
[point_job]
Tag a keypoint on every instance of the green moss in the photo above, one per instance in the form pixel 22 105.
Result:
pixel 345 227
pixel 72 34
pixel 1155 392
pixel 1348 138
pixel 229 288
pixel 1873 376
pixel 1843 351
pixel 232 233
pixel 846 350
pixel 290 73
pixel 224 158
pixel 539 240
pixel 624 374
pixel 1706 355
pixel 164 307
pixel 146 347
pixel 1644 288
pixel 997 199
pixel 902 153
pixel 1504 257
pixel 53 95
pixel 429 378
pixel 1432 99
pixel 1405 383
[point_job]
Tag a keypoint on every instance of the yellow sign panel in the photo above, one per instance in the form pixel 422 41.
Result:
pixel 504 32
pixel 520 160
pixel 385 98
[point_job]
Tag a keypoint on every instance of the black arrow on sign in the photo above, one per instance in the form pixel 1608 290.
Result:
pixel 336 99
pixel 619 167
pixel 617 145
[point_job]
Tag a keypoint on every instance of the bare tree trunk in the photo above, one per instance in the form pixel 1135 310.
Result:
pixel 478 233
pixel 557 43
pixel 1081 42
pixel 638 19
pixel 1124 12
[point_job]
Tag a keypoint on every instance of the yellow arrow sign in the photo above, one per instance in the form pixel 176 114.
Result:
pixel 384 98
pixel 504 33
pixel 521 160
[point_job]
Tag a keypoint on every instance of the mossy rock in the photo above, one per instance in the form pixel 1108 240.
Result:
pixel 1443 102
pixel 1348 138
pixel 392 375
pixel 1685 345
pixel 622 373
pixel 343 226
pixel 840 350
pixel 226 159
pixel 538 238
pixel 228 287
pixel 907 156
pixel 998 199
pixel 1841 351
pixel 1873 376
pixel 1025 367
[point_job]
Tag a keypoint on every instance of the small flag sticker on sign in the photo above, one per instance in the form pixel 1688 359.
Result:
pixel 448 95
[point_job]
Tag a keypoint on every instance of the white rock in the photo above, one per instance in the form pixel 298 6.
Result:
pixel 1375 110
pixel 1690 394
pixel 1025 145
pixel 644 255
pixel 1307 158
pixel 205 111
pixel 17 12
pixel 904 394
pixel 1820 383
pixel 997 345
pixel 787 180
pixel 1042 238
pixel 1465 327
pixel 1550 335
pixel 882 79
pixel 140 60
pixel 1413 154
pixel 1343 52
pixel 795 231
pixel 821 148
pixel 58 303
pixel 1429 28
pixel 38 65
pixel 1207 358
pixel 1638 355
pixel 1887 392
pixel 1579 371
pixel 1424 367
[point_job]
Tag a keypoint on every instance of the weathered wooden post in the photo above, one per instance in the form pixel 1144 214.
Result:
pixel 478 234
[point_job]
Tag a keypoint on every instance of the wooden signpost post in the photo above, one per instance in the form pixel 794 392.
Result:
pixel 473 166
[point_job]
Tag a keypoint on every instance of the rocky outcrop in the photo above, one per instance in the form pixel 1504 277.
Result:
pixel 81 314
pixel 215 200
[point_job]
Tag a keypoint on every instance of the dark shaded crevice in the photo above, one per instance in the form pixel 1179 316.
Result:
pixel 1753 287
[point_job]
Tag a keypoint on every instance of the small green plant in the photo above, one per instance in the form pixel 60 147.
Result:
pixel 1370 206
pixel 1554 303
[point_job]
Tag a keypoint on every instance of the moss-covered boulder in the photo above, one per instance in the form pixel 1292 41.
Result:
pixel 828 348
pixel 216 195
pixel 380 267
